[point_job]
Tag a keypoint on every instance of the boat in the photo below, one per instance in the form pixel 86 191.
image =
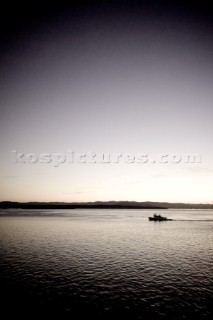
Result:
pixel 158 217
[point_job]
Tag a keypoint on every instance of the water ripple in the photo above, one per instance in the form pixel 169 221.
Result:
pixel 106 267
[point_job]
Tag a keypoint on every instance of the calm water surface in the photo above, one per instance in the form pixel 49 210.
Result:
pixel 106 264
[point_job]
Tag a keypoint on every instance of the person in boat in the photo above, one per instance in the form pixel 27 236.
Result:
pixel 157 216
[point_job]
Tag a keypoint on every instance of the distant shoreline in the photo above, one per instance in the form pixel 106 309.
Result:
pixel 102 205
pixel 72 206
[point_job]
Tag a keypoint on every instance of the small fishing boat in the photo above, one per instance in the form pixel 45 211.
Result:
pixel 158 217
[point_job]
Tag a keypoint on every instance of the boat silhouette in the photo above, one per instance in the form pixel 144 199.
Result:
pixel 158 217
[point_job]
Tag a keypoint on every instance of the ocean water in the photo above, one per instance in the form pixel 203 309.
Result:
pixel 106 264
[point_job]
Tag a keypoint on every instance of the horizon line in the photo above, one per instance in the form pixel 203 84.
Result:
pixel 135 201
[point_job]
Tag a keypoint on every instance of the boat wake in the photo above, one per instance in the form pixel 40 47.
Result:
pixel 191 220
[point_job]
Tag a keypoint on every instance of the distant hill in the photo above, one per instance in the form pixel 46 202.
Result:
pixel 75 205
pixel 103 205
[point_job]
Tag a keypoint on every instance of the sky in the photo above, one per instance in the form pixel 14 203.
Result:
pixel 128 78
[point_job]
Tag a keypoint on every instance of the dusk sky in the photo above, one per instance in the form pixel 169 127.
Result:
pixel 125 77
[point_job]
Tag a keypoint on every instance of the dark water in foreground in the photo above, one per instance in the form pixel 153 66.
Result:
pixel 106 264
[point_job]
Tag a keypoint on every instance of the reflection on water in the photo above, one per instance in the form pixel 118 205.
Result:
pixel 105 264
